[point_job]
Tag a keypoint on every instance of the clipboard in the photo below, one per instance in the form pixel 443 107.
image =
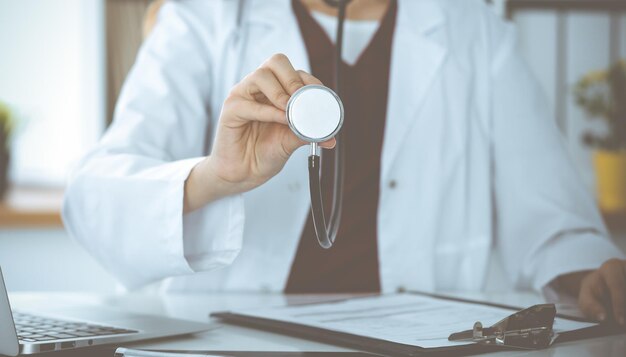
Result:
pixel 391 348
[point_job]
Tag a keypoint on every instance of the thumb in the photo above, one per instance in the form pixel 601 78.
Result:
pixel 292 142
pixel 590 298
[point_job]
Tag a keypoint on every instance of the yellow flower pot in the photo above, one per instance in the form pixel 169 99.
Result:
pixel 610 169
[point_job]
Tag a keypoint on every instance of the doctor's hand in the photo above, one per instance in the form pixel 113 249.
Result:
pixel 253 140
pixel 601 292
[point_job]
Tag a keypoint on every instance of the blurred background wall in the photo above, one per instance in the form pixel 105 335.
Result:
pixel 563 41
pixel 62 63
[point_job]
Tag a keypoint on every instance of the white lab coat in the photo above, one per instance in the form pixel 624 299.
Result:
pixel 477 162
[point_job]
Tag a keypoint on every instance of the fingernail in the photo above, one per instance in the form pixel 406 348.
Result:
pixel 601 316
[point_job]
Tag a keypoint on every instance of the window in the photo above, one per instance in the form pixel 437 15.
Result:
pixel 52 76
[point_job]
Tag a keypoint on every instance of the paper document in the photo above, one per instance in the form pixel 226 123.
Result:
pixel 409 319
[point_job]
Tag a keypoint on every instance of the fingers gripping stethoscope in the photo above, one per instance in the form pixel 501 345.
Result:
pixel 315 114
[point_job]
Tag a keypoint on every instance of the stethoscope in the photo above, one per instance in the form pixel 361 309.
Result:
pixel 315 114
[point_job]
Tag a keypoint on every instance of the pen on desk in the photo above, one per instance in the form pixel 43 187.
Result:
pixel 127 352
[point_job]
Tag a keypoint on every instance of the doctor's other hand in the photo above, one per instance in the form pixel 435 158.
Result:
pixel 601 292
pixel 253 140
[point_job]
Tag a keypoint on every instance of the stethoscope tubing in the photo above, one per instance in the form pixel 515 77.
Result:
pixel 327 234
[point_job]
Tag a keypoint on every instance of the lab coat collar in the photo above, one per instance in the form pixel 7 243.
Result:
pixel 267 12
pixel 280 34
pixel 417 55
pixel 424 14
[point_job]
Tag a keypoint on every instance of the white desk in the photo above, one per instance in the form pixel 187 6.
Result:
pixel 227 338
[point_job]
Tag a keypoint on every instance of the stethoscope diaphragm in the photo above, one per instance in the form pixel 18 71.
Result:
pixel 315 113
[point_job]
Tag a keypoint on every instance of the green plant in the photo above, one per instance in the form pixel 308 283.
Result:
pixel 602 95
pixel 6 126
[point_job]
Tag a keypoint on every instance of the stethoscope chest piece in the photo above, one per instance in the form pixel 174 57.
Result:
pixel 315 113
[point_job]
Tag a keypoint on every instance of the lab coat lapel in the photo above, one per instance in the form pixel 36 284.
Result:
pixel 272 28
pixel 415 60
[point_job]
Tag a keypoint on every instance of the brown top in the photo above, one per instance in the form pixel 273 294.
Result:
pixel 351 265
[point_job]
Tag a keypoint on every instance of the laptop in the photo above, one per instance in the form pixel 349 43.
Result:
pixel 23 333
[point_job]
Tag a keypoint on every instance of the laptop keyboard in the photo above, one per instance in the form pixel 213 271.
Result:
pixel 32 328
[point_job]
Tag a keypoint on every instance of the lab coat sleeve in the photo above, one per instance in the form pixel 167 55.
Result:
pixel 547 223
pixel 124 202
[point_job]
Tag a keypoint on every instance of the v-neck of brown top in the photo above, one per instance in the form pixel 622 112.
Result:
pixel 325 48
pixel 351 265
